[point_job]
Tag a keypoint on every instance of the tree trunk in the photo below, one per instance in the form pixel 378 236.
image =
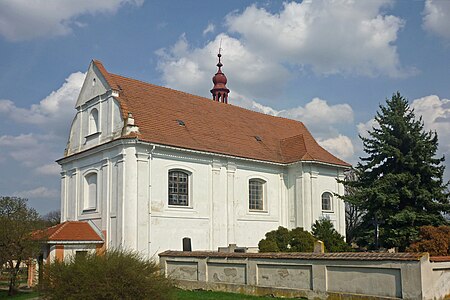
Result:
pixel 12 278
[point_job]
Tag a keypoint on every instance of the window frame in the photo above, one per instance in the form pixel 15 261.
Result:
pixel 87 207
pixel 263 196
pixel 188 188
pixel 330 201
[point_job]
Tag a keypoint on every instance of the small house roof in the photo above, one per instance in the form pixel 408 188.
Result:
pixel 69 231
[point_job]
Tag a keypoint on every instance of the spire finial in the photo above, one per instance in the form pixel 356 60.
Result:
pixel 219 64
pixel 220 91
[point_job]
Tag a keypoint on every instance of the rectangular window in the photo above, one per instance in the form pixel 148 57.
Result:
pixel 80 254
pixel 256 194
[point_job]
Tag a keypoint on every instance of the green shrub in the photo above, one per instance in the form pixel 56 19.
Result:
pixel 285 240
pixel 114 275
pixel 434 240
pixel 334 242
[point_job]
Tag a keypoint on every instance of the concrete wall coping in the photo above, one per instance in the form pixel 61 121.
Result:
pixel 367 256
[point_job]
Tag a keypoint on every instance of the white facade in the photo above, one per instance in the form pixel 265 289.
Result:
pixel 122 186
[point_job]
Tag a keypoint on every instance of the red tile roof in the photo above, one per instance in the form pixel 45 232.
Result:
pixel 299 255
pixel 440 258
pixel 213 126
pixel 68 231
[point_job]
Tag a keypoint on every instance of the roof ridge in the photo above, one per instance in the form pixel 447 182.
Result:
pixel 291 137
pixel 204 98
pixel 59 229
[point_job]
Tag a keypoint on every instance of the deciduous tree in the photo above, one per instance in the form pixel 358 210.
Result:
pixel 52 218
pixel 17 221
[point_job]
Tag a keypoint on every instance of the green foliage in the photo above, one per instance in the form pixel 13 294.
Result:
pixel 334 242
pixel 114 275
pixel 285 240
pixel 20 295
pixel 399 185
pixel 17 221
pixel 434 240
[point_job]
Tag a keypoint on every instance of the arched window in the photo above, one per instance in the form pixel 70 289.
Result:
pixel 90 191
pixel 93 121
pixel 178 188
pixel 326 201
pixel 256 194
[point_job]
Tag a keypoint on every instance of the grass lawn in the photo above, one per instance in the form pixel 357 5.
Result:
pixel 206 295
pixel 179 295
pixel 20 296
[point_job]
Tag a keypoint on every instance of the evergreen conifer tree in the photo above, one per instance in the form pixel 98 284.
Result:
pixel 400 183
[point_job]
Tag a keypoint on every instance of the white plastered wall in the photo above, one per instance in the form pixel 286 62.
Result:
pixel 133 197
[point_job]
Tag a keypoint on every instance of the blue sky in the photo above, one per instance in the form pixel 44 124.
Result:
pixel 326 63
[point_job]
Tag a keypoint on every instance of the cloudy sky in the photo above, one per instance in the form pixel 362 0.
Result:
pixel 328 63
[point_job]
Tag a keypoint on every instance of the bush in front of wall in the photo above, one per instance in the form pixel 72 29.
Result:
pixel 285 240
pixel 324 230
pixel 116 274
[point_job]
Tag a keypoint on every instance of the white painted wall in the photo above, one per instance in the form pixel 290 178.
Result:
pixel 133 197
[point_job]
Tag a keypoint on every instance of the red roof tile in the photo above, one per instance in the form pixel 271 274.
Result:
pixel 68 231
pixel 299 255
pixel 213 126
pixel 440 258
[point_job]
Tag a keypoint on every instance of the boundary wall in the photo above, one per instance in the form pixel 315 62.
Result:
pixel 313 275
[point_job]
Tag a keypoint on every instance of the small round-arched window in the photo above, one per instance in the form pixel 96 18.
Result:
pixel 326 201
pixel 90 191
pixel 93 121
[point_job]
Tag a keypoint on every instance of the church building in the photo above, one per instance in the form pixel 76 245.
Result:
pixel 146 166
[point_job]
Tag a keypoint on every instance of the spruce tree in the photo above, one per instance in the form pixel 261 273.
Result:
pixel 400 182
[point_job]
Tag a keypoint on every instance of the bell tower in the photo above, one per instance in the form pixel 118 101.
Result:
pixel 219 91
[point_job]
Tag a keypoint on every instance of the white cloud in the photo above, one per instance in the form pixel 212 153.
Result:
pixel 31 155
pixel 340 36
pixel 22 140
pixel 436 18
pixel 327 36
pixel 436 117
pixel 320 117
pixel 48 169
pixel 191 69
pixel 364 128
pixel 39 192
pixel 53 112
pixel 341 146
pixel 209 29
pixel 31 150
pixel 28 19
pixel 319 113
